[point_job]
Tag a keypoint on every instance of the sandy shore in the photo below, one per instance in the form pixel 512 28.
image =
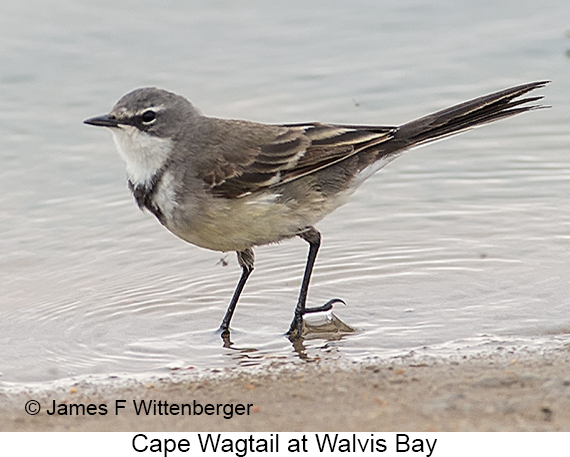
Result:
pixel 500 392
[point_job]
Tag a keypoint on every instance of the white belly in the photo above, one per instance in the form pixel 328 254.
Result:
pixel 241 223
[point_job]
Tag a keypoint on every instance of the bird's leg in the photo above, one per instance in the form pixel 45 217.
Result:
pixel 313 237
pixel 246 260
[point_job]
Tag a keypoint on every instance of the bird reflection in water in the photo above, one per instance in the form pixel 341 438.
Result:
pixel 322 325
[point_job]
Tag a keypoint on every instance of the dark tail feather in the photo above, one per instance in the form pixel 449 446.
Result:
pixel 458 118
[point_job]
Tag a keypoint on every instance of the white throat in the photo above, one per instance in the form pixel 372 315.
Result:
pixel 144 154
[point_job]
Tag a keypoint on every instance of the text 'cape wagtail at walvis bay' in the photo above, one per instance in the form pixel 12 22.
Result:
pixel 231 185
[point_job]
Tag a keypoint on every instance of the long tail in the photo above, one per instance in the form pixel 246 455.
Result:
pixel 466 115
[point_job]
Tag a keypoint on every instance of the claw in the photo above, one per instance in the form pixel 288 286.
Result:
pixel 296 329
pixel 326 307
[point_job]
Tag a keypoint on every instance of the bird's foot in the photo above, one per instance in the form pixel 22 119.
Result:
pixel 296 328
pixel 326 307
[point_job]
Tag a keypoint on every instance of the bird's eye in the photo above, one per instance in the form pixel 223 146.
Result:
pixel 148 116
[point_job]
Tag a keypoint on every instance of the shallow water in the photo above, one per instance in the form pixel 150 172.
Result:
pixel 457 246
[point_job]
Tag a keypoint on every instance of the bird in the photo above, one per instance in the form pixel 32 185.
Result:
pixel 232 185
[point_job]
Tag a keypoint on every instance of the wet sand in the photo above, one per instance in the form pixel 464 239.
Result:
pixel 505 391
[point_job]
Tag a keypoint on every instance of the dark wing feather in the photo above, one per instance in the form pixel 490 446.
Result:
pixel 295 151
pixel 249 156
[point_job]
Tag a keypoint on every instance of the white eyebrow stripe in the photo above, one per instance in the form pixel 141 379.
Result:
pixel 154 108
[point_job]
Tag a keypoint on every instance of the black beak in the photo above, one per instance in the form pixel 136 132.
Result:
pixel 102 121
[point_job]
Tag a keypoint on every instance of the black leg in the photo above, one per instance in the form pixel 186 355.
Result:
pixel 246 260
pixel 313 237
